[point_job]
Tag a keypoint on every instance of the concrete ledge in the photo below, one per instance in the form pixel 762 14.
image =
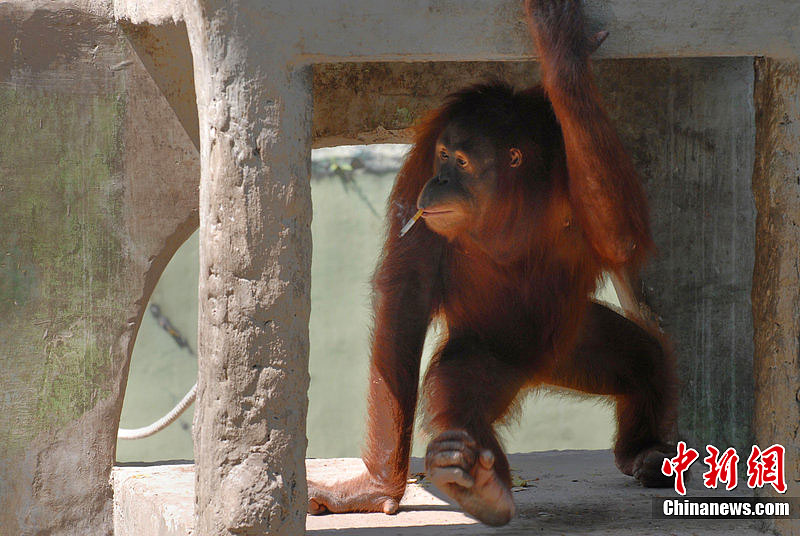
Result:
pixel 477 30
pixel 154 499
pixel 575 492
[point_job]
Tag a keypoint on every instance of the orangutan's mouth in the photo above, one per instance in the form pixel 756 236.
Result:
pixel 429 213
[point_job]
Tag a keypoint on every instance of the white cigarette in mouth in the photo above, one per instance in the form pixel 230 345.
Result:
pixel 410 223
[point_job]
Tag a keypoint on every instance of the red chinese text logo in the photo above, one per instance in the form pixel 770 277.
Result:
pixel 763 467
pixel 720 469
pixel 766 467
pixel 679 464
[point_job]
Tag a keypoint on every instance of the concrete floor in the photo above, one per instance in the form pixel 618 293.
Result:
pixel 559 492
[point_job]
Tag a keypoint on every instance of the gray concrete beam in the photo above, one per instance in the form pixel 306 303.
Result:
pixel 255 275
pixel 317 31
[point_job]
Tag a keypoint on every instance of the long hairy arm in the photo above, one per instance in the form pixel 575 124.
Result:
pixel 605 190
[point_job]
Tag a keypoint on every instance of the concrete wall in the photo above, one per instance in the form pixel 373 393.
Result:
pixel 690 125
pixel 98 187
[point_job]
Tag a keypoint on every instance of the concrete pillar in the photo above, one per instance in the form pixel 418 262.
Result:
pixel 254 113
pixel 776 278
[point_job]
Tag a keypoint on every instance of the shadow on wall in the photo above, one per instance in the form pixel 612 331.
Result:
pixel 350 186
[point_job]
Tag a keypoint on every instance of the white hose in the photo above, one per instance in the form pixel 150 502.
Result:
pixel 163 422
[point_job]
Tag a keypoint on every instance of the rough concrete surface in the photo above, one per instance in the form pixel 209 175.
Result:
pixel 97 189
pixel 255 274
pixel 357 30
pixel 363 103
pixel 566 492
pixel 164 51
pixel 776 280
pixel 99 8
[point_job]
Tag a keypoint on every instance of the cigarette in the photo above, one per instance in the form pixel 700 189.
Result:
pixel 410 223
